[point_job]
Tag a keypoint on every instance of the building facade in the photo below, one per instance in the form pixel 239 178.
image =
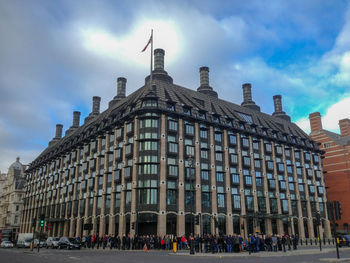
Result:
pixel 162 156
pixel 336 163
pixel 11 200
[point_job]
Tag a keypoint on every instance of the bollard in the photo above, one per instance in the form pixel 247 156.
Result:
pixel 306 241
pixel 333 241
pixel 311 241
pixel 301 242
pixel 329 241
pixel 174 247
pixel 324 241
pixel 31 246
pixel 316 242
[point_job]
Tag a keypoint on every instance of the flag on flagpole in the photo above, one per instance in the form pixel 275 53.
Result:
pixel 149 42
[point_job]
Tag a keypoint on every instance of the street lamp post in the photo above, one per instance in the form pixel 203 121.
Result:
pixel 190 163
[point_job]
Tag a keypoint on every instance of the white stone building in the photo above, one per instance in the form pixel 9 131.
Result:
pixel 11 200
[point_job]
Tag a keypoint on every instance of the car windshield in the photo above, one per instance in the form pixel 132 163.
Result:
pixel 55 239
pixel 72 240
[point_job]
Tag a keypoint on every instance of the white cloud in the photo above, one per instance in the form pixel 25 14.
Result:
pixel 330 120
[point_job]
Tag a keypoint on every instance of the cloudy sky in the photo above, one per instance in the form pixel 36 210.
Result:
pixel 56 55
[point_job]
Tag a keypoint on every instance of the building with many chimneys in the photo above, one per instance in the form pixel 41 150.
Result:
pixel 172 160
pixel 336 164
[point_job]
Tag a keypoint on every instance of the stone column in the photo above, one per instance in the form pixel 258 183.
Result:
pixel 104 191
pixel 161 226
pixel 307 194
pixel 78 195
pixel 268 224
pixel 87 197
pixel 94 206
pixel 111 228
pixel 229 219
pixel 181 190
pixel 122 221
pixel 243 220
pixel 279 221
pixel 214 207
pixel 198 202
pixel 252 173
pixel 290 215
pixel 300 212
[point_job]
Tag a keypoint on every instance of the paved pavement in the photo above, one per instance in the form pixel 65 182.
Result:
pixel 105 256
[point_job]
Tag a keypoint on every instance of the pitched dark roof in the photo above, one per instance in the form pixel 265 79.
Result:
pixel 167 92
pixel 338 139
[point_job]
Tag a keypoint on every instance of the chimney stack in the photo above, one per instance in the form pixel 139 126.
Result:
pixel 277 101
pixel 247 97
pixel 59 128
pixel 204 83
pixel 247 93
pixel 315 122
pixel 204 76
pixel 96 105
pixel 344 126
pixel 76 119
pixel 159 59
pixel 121 87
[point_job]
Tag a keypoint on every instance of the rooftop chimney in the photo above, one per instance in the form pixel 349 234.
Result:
pixel 95 108
pixel 277 101
pixel 247 97
pixel 158 73
pixel 76 119
pixel 159 59
pixel 59 128
pixel 96 105
pixel 121 87
pixel 58 136
pixel 204 83
pixel 315 122
pixel 344 126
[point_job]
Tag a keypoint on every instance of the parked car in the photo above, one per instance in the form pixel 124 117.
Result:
pixel 6 244
pixel 42 243
pixel 23 243
pixel 68 242
pixel 344 241
pixel 52 242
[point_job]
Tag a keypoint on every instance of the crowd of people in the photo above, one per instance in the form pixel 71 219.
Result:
pixel 205 244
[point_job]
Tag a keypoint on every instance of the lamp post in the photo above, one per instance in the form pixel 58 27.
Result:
pixel 190 163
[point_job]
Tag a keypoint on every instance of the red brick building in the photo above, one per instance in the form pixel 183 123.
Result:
pixel 336 163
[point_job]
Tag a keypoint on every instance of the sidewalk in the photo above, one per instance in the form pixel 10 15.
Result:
pixel 263 254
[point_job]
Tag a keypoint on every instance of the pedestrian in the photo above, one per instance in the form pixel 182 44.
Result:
pixel 284 241
pixel 274 242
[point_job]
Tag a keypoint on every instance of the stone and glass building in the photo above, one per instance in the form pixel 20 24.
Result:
pixel 164 154
pixel 336 164
pixel 12 192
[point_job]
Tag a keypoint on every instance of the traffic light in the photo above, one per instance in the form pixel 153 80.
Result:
pixel 318 219
pixel 330 210
pixel 133 225
pixel 42 220
pixel 337 209
pixel 196 220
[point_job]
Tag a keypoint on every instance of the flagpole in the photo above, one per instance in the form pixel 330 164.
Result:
pixel 151 77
